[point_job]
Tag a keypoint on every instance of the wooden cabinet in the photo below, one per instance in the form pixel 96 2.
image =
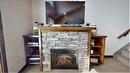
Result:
pixel 31 49
pixel 98 47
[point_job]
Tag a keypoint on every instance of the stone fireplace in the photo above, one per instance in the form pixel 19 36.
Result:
pixel 65 50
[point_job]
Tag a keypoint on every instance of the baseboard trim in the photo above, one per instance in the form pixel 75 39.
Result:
pixel 108 56
pixel 23 69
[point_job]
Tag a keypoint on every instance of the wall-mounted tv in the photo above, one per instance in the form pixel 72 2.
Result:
pixel 65 12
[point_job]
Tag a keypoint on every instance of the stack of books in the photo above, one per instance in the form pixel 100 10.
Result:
pixel 94 60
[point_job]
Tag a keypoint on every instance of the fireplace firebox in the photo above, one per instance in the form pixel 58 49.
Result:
pixel 63 59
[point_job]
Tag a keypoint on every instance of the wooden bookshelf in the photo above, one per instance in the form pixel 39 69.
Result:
pixel 98 47
pixel 31 44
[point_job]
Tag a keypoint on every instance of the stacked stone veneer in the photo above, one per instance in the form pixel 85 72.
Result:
pixel 65 40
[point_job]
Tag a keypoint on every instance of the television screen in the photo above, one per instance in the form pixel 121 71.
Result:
pixel 65 12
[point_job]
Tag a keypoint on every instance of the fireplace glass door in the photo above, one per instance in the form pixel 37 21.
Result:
pixel 63 59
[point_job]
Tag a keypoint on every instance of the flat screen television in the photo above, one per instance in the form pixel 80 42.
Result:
pixel 65 12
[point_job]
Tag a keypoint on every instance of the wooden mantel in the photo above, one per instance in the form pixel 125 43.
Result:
pixel 67 29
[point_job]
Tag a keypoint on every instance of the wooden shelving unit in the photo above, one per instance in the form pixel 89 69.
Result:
pixel 31 44
pixel 98 47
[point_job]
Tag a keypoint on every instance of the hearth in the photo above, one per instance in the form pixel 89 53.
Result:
pixel 63 59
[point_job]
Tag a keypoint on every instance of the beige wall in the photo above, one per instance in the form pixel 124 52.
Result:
pixel 112 18
pixel 17 21
pixel 38 11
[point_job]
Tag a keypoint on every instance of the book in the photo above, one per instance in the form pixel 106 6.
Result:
pixel 94 60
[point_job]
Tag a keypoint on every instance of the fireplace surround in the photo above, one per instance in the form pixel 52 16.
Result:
pixel 74 38
pixel 65 50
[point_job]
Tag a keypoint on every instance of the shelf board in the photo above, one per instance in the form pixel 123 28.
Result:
pixel 96 46
pixel 34 63
pixel 31 36
pixel 33 55
pixel 99 36
pixel 34 36
pixel 32 45
pixel 95 55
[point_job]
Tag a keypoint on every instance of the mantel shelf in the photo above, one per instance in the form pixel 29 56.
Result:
pixel 66 29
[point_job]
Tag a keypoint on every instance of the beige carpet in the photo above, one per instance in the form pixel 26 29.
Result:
pixel 110 66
